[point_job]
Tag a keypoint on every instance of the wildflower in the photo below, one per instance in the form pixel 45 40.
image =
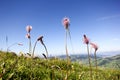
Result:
pixel 85 39
pixel 20 44
pixel 28 28
pixel 40 39
pixel 66 22
pixel 28 35
pixel 94 46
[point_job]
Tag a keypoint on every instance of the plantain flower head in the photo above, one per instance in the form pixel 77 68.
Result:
pixel 66 22
pixel 20 44
pixel 28 35
pixel 85 39
pixel 94 46
pixel 28 28
pixel 40 39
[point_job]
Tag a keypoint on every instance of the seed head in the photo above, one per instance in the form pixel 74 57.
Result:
pixel 94 46
pixel 66 22
pixel 85 39
pixel 28 28
pixel 40 39
pixel 20 44
pixel 28 35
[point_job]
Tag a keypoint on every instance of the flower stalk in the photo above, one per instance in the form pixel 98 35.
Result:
pixel 28 29
pixel 89 61
pixel 34 49
pixel 86 41
pixel 66 24
pixel 41 41
pixel 95 61
pixel 95 48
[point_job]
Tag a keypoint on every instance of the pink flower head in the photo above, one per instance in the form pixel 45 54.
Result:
pixel 85 39
pixel 28 35
pixel 94 46
pixel 20 44
pixel 40 39
pixel 66 22
pixel 28 28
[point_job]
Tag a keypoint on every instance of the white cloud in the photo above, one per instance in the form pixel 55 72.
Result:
pixel 116 39
pixel 108 17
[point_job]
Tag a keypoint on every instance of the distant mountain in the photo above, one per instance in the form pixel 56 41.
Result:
pixel 111 62
pixel 105 59
pixel 109 54
pixel 99 54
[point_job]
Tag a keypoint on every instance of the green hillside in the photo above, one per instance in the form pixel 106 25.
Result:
pixel 106 62
pixel 110 62
pixel 13 67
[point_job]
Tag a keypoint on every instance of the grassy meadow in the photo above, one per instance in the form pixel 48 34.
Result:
pixel 14 67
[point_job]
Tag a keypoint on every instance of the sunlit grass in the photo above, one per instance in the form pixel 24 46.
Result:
pixel 15 67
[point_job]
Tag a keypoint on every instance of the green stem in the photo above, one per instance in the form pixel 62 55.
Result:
pixel 34 49
pixel 70 40
pixel 46 50
pixel 89 62
pixel 66 54
pixel 30 46
pixel 7 43
pixel 95 61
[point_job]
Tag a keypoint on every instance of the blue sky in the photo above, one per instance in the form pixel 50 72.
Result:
pixel 98 19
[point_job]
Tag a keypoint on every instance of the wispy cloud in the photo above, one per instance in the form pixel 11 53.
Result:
pixel 116 39
pixel 108 17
